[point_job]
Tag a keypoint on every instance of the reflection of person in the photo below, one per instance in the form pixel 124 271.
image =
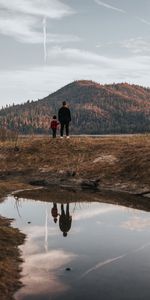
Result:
pixel 54 212
pixel 54 125
pixel 65 220
pixel 64 117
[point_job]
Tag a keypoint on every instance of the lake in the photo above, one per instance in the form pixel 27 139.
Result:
pixel 78 250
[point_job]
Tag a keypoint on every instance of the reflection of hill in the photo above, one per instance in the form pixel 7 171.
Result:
pixel 96 109
pixel 64 196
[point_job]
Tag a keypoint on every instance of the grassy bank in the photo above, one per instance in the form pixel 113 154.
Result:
pixel 10 239
pixel 10 260
pixel 121 163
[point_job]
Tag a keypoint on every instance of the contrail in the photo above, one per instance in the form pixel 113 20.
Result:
pixel 46 231
pixel 103 263
pixel 111 260
pixel 44 39
pixel 141 248
pixel 109 6
pixel 143 21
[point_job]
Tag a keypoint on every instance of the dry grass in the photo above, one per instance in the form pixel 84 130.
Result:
pixel 119 162
pixel 10 260
pixel 10 238
pixel 115 160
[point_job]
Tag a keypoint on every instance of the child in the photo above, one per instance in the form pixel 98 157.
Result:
pixel 54 212
pixel 54 125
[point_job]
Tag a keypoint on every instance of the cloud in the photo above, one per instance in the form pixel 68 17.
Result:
pixel 22 20
pixel 36 82
pixel 88 214
pixel 77 55
pixel 41 270
pixel 40 273
pixel 136 224
pixel 136 45
pixel 53 9
pixel 109 6
pixel 26 30
pixel 19 28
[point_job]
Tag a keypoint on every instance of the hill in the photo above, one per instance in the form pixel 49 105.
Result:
pixel 96 109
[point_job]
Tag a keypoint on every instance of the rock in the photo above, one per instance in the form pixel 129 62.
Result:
pixel 90 184
pixel 39 182
pixel 70 173
pixel 16 149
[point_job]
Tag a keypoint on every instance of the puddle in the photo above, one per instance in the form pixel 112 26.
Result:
pixel 95 250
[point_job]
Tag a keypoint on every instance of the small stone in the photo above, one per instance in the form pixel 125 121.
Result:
pixel 68 269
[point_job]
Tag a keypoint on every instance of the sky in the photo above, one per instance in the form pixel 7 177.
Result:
pixel 46 44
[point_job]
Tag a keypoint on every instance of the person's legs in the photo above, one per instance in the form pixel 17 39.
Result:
pixel 54 132
pixel 67 210
pixel 62 129
pixel 62 210
pixel 67 129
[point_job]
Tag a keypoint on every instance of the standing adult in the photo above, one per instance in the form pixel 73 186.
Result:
pixel 64 117
pixel 65 220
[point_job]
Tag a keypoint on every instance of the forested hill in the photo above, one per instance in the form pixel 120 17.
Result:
pixel 95 108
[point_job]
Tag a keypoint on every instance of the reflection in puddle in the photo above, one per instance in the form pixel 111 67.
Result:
pixel 65 219
pixel 76 250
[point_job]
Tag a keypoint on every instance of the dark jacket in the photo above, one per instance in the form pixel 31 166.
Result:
pixel 65 223
pixel 64 115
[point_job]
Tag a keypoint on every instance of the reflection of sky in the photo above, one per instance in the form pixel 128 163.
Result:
pixel 40 273
pixel 137 223
pixel 104 240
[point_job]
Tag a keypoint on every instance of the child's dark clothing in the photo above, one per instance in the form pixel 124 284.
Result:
pixel 54 125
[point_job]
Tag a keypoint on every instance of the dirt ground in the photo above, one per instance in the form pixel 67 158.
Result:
pixel 120 163
pixel 10 256
pixel 116 163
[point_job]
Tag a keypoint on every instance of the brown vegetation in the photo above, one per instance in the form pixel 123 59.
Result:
pixel 96 109
pixel 10 239
pixel 10 260
pixel 119 162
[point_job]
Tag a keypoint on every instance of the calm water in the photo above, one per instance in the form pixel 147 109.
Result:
pixel 107 250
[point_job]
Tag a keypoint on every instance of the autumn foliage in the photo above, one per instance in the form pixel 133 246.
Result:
pixel 96 109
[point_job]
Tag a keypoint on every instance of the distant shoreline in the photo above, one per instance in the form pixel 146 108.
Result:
pixel 87 135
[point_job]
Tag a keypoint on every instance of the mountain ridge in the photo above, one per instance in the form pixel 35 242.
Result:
pixel 95 108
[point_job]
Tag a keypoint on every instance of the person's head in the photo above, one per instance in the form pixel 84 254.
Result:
pixel 54 117
pixel 64 234
pixel 64 103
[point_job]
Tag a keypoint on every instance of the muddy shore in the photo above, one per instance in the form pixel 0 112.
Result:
pixel 10 256
pixel 117 164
